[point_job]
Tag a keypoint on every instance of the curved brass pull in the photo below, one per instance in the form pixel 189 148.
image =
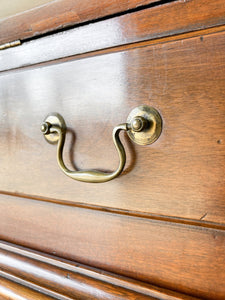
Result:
pixel 146 125
pixel 88 175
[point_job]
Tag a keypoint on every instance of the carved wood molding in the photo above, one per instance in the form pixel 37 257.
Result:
pixel 34 275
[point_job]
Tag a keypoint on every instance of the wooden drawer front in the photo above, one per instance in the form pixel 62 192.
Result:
pixel 160 226
pixel 182 257
pixel 181 175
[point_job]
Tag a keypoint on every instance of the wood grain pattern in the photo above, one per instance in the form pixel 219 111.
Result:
pixel 73 280
pixel 61 14
pixel 177 257
pixel 166 20
pixel 181 175
pixel 160 224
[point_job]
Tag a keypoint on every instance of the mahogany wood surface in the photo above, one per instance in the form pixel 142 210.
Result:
pixel 181 175
pixel 166 20
pixel 60 14
pixel 188 259
pixel 158 230
pixel 74 280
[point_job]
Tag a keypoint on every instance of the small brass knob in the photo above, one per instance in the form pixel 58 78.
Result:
pixel 138 124
pixel 45 127
pixel 145 125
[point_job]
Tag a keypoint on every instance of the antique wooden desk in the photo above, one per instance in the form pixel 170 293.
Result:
pixel 157 231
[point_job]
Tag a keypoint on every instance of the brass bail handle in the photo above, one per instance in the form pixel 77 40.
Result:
pixel 143 126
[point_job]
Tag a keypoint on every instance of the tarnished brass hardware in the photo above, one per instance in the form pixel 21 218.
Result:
pixel 54 130
pixel 9 45
pixel 147 122
pixel 53 120
pixel 138 124
pixel 146 125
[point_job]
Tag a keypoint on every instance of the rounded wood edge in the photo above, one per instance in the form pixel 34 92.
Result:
pixel 27 268
pixel 13 290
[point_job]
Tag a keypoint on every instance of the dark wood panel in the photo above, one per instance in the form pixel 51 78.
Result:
pixel 178 257
pixel 61 14
pixel 74 280
pixel 166 20
pixel 10 290
pixel 181 175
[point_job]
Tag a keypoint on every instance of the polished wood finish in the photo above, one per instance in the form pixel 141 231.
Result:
pixel 183 79
pixel 74 280
pixel 158 230
pixel 10 290
pixel 166 20
pixel 60 14
pixel 171 255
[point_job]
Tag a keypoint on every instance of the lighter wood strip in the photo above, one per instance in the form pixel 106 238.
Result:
pixel 149 24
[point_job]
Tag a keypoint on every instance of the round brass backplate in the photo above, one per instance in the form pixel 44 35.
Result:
pixel 153 128
pixel 54 119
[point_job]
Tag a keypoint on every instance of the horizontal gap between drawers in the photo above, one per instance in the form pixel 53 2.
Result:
pixel 136 214
pixel 115 15
pixel 79 18
pixel 121 48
